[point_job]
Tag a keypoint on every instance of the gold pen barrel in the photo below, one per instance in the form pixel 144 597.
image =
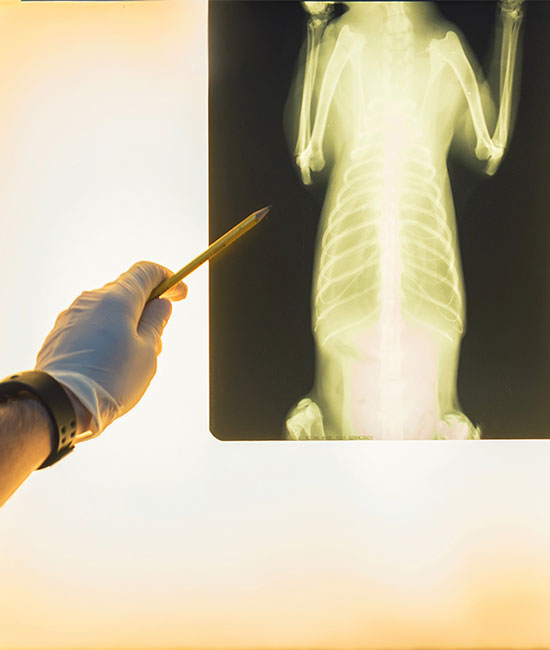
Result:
pixel 222 242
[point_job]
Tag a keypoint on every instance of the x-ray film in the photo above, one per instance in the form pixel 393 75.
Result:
pixel 399 287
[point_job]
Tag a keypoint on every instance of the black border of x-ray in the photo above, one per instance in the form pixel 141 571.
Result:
pixel 261 346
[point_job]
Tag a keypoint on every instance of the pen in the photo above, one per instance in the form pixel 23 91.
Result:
pixel 222 242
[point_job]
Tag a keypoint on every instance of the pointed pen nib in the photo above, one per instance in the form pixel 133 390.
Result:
pixel 260 214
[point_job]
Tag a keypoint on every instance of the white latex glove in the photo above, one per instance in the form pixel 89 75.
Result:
pixel 103 349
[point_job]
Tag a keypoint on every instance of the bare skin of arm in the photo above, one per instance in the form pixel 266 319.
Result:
pixel 25 440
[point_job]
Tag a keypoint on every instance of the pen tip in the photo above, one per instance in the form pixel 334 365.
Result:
pixel 260 214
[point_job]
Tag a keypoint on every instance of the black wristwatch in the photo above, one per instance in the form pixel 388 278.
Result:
pixel 56 402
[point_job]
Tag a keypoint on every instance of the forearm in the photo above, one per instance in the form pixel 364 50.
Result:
pixel 26 435
pixel 79 359
pixel 25 442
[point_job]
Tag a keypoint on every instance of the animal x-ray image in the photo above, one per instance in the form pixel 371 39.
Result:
pixel 399 289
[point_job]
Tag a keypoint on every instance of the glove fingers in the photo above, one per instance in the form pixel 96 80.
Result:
pixel 153 321
pixel 141 279
pixel 177 292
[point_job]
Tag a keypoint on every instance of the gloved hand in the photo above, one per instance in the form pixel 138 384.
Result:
pixel 103 349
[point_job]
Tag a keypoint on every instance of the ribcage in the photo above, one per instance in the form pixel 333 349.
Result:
pixel 351 284
pixel 431 289
pixel 348 277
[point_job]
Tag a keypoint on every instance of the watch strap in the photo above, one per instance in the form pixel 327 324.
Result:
pixel 56 402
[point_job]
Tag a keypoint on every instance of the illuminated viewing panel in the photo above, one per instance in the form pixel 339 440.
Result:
pixel 167 537
pixel 377 134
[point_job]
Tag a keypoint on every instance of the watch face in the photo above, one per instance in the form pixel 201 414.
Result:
pixel 397 289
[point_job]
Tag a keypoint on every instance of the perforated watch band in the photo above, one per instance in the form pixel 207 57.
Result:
pixel 56 402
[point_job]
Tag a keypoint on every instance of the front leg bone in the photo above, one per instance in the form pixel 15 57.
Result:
pixel 511 23
pixel 451 51
pixel 309 156
pixel 512 7
pixel 320 15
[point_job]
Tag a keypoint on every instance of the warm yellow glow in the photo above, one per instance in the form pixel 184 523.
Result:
pixel 156 535
pixel 388 298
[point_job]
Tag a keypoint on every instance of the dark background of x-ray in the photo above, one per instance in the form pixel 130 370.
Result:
pixel 261 346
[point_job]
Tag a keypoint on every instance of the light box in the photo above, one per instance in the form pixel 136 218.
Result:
pixel 158 535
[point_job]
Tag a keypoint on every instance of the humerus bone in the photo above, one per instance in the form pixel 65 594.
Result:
pixel 451 51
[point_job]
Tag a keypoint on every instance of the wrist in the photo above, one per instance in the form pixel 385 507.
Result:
pixel 55 401
pixel 28 424
pixel 83 416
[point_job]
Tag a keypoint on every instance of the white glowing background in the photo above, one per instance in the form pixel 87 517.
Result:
pixel 158 535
